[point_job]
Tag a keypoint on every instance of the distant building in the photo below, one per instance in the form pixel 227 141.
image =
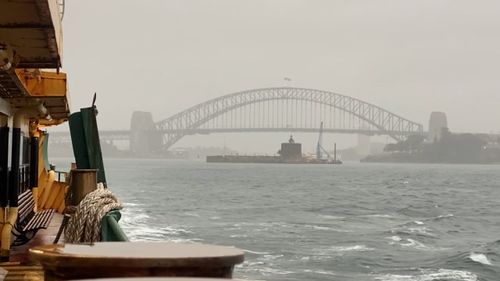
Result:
pixel 437 123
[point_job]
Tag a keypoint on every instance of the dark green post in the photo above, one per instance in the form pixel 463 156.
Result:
pixel 85 140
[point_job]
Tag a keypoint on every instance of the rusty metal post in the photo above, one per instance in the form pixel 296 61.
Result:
pixel 83 181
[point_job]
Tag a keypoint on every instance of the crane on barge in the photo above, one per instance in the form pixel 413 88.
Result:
pixel 320 150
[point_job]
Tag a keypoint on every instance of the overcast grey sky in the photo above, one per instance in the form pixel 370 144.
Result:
pixel 410 57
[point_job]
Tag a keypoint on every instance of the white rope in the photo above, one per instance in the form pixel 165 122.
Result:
pixel 84 226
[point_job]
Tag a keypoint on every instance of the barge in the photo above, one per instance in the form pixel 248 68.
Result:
pixel 290 153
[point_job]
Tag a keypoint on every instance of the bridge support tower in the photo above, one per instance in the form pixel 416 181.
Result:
pixel 145 139
pixel 437 122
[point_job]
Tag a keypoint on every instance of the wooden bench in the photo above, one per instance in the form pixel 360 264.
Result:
pixel 29 221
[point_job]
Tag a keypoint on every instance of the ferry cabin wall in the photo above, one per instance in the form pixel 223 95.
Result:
pixel 5 159
pixel 14 172
pixel 14 140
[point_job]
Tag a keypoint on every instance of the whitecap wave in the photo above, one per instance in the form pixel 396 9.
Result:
pixel 254 263
pixel 270 257
pixel 133 217
pixel 130 204
pixel 191 214
pixel 377 216
pixel 329 217
pixel 317 227
pixel 238 236
pixel 184 240
pixel 354 248
pixel 260 268
pixel 444 216
pixel 255 252
pixel 420 230
pixel 480 258
pixel 324 272
pixel 395 238
pixel 414 244
pixel 175 230
pixel 141 232
pixel 432 275
pixel 324 227
pixel 266 271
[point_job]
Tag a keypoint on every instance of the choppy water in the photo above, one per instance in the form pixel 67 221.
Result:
pixel 321 222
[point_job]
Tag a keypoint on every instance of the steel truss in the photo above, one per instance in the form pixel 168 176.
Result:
pixel 285 109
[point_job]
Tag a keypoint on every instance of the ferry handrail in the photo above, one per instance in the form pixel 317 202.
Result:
pixel 59 173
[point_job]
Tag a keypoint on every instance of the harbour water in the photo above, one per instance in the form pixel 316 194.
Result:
pixel 321 222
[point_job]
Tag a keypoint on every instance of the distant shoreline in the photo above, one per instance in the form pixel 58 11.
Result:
pixel 420 158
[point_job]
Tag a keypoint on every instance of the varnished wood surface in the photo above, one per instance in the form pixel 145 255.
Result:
pixel 136 259
pixel 18 272
pixel 21 267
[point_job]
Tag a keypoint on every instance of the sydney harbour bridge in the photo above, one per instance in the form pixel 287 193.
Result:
pixel 279 109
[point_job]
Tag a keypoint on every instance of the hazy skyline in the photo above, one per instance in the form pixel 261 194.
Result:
pixel 409 57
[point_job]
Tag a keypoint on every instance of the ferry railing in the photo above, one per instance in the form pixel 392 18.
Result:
pixel 61 175
pixel 24 177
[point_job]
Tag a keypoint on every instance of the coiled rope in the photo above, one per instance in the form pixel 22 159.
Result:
pixel 84 226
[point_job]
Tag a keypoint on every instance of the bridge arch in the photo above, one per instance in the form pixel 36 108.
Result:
pixel 378 120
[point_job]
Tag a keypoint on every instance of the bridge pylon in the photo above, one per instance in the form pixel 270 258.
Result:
pixel 145 139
